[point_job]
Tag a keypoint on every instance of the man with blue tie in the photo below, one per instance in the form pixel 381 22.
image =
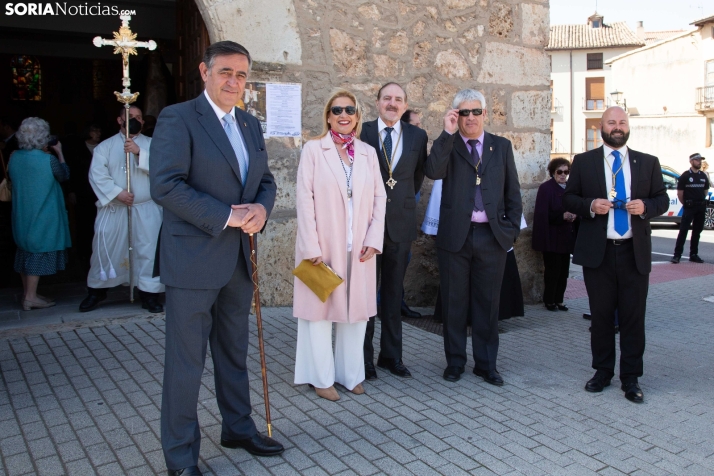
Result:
pixel 616 191
pixel 210 173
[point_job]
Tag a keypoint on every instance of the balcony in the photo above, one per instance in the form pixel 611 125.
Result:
pixel 595 105
pixel 705 99
pixel 556 107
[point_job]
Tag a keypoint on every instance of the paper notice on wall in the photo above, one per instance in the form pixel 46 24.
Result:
pixel 284 109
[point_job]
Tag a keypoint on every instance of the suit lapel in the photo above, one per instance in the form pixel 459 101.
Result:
pixel 599 157
pixel 359 175
pixel 634 172
pixel 251 145
pixel 487 152
pixel 372 129
pixel 212 125
pixel 461 149
pixel 330 155
pixel 407 138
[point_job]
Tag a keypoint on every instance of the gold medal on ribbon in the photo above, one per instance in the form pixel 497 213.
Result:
pixel 613 193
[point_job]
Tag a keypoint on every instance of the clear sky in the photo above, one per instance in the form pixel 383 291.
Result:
pixel 656 14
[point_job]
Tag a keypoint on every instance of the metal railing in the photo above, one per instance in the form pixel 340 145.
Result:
pixel 595 104
pixel 705 98
pixel 556 107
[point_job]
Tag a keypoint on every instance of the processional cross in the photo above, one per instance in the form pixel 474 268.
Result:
pixel 125 44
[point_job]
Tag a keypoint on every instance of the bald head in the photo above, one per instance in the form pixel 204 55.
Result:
pixel 615 127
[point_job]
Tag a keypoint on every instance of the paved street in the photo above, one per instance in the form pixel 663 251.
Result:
pixel 664 236
pixel 83 397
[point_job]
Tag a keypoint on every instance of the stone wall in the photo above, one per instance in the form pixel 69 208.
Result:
pixel 432 47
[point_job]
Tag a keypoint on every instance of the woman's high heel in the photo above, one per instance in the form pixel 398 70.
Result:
pixel 28 305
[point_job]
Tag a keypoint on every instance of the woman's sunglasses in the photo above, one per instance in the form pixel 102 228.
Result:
pixel 337 110
pixel 561 172
pixel 466 112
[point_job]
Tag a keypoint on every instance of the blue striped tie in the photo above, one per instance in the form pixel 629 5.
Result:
pixel 621 225
pixel 235 140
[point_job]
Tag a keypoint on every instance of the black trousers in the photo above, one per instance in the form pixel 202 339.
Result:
pixel 555 274
pixel 693 217
pixel 470 290
pixel 195 317
pixel 392 267
pixel 617 285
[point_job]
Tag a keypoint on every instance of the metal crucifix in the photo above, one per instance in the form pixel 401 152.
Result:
pixel 125 44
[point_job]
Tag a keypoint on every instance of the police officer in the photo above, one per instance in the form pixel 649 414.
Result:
pixel 692 192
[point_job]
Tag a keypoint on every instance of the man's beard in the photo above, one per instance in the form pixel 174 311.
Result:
pixel 695 167
pixel 618 141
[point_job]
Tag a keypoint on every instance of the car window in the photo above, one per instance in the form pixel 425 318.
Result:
pixel 670 183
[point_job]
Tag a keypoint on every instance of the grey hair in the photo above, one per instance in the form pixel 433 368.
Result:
pixel 34 133
pixel 225 48
pixel 468 95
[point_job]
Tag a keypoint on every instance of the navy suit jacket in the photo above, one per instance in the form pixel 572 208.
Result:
pixel 195 176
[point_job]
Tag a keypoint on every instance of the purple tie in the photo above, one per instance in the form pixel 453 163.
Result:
pixel 478 200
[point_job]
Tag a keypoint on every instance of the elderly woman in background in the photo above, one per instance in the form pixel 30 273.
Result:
pixel 39 218
pixel 553 234
pixel 341 203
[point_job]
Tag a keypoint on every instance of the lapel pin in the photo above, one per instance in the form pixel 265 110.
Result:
pixel 245 124
pixel 491 149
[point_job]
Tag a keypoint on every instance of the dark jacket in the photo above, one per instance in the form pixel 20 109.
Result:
pixel 400 220
pixel 450 160
pixel 551 232
pixel 587 182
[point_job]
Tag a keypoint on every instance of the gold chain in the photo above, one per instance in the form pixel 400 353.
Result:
pixel 384 150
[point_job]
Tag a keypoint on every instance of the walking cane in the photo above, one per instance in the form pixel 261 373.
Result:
pixel 259 319
pixel 128 190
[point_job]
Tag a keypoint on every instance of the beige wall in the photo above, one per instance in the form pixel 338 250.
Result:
pixel 432 47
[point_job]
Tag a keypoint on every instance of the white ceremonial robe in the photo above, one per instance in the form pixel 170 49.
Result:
pixel 110 247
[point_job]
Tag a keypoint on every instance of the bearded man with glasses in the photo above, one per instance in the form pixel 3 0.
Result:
pixel 616 191
pixel 480 217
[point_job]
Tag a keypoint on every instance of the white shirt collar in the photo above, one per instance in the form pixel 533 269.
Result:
pixel 219 112
pixel 381 126
pixel 608 150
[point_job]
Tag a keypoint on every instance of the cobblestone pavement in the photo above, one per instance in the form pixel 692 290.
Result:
pixel 86 400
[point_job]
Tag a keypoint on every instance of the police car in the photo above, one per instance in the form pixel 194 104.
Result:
pixel 674 213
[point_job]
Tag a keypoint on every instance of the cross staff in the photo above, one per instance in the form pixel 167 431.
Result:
pixel 125 44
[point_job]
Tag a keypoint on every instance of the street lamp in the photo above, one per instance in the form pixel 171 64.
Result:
pixel 617 96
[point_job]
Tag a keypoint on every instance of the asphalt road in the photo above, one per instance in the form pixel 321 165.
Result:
pixel 664 237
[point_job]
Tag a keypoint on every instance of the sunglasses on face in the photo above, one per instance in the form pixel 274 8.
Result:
pixel 561 172
pixel 466 112
pixel 337 110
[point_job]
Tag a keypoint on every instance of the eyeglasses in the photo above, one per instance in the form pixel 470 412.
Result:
pixel 619 204
pixel 337 110
pixel 466 112
pixel 562 172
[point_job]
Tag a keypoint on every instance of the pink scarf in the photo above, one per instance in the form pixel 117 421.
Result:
pixel 347 141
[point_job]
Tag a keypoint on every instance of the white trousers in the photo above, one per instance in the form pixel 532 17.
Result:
pixel 314 361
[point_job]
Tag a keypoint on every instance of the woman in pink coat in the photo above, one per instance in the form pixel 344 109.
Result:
pixel 341 202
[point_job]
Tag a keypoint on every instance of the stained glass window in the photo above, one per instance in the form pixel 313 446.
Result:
pixel 26 78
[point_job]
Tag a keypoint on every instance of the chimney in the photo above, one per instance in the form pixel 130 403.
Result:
pixel 641 30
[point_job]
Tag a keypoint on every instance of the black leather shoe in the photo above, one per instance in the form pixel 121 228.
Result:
pixel 395 366
pixel 562 307
pixel 91 302
pixel 695 259
pixel 406 312
pixel 551 307
pixel 370 373
pixel 598 382
pixel 258 445
pixel 490 376
pixel 152 304
pixel 453 373
pixel 675 259
pixel 633 392
pixel 587 316
pixel 190 471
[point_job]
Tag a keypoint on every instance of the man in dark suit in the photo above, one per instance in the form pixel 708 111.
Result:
pixel 401 149
pixel 480 217
pixel 210 173
pixel 616 191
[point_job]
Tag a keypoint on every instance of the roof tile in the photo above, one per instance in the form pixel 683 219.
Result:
pixel 574 37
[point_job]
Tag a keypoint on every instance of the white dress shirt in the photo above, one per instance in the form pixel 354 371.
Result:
pixel 220 113
pixel 609 159
pixel 396 146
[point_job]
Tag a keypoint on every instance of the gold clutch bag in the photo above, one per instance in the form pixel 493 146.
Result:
pixel 321 279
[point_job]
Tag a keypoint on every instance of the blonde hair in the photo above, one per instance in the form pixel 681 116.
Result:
pixel 340 93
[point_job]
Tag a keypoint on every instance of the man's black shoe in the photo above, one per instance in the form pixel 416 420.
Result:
pixel 490 376
pixel 695 259
pixel 406 312
pixel 562 307
pixel 598 382
pixel 370 373
pixel 190 471
pixel 551 307
pixel 91 302
pixel 586 315
pixel 675 259
pixel 257 444
pixel 633 392
pixel 151 302
pixel 453 373
pixel 395 366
